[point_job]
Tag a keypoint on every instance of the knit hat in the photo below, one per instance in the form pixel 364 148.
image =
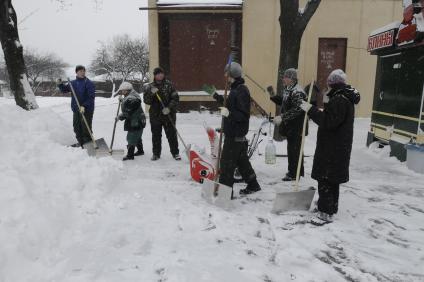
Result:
pixel 336 77
pixel 234 70
pixel 79 67
pixel 158 70
pixel 290 73
pixel 125 86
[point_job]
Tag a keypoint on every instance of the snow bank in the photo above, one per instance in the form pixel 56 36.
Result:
pixel 45 186
pixel 393 25
pixel 67 217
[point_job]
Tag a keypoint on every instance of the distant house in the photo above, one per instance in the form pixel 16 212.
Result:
pixel 192 40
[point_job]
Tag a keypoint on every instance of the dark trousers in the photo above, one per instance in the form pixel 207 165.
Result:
pixel 328 200
pixel 156 124
pixel 293 150
pixel 81 132
pixel 234 155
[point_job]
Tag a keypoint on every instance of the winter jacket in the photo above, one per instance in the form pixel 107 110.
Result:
pixel 238 103
pixel 85 92
pixel 167 93
pixel 335 135
pixel 132 112
pixel 291 112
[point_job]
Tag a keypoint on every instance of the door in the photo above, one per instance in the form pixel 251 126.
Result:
pixel 331 56
pixel 199 49
pixel 385 95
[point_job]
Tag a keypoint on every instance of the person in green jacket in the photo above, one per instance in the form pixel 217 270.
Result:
pixel 135 119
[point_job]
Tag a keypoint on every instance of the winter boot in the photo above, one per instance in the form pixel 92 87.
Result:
pixel 177 157
pixel 155 158
pixel 140 151
pixel 288 177
pixel 252 187
pixel 321 218
pixel 130 153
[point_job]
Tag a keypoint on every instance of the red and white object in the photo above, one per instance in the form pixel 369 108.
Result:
pixel 201 165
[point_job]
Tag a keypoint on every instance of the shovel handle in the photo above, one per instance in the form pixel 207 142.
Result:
pixel 302 144
pixel 175 127
pixel 82 115
pixel 218 159
pixel 114 127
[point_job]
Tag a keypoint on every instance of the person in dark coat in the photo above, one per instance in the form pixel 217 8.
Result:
pixel 334 141
pixel 162 116
pixel 86 94
pixel 236 115
pixel 291 120
pixel 135 120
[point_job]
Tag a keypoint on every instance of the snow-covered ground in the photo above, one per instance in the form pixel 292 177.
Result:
pixel 67 217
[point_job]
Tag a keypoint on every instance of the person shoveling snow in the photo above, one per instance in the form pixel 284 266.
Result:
pixel 135 120
pixel 85 93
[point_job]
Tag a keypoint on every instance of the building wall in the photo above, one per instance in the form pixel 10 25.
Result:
pixel 153 37
pixel 351 19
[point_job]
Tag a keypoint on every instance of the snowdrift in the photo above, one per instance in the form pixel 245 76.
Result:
pixel 41 185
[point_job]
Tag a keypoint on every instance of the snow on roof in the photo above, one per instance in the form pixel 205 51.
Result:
pixel 393 25
pixel 200 2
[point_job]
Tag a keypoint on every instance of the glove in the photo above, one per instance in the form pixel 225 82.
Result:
pixel 166 111
pixel 121 98
pixel 82 109
pixel 59 81
pixel 146 88
pixel 224 111
pixel 210 89
pixel 278 120
pixel 270 91
pixel 154 90
pixel 305 106
pixel 120 117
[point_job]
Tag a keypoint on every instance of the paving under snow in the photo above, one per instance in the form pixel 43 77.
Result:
pixel 67 217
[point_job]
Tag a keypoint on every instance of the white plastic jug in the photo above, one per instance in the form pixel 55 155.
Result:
pixel 270 153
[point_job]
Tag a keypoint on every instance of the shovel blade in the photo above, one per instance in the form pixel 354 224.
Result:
pixel 293 201
pixel 222 198
pixel 102 149
pixel 117 154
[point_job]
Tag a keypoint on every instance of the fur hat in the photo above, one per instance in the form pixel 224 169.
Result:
pixel 336 77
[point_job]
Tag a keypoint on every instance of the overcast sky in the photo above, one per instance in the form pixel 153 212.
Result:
pixel 73 32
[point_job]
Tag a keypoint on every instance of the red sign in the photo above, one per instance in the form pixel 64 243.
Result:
pixel 381 40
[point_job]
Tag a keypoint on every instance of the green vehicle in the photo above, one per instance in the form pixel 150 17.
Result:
pixel 397 116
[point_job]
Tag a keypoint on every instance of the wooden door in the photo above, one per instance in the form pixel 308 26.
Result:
pixel 199 49
pixel 331 55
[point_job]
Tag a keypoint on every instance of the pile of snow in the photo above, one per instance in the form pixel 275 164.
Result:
pixel 67 217
pixel 46 189
pixel 393 25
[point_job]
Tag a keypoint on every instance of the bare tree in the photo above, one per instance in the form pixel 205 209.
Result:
pixel 293 22
pixel 42 67
pixel 122 58
pixel 13 55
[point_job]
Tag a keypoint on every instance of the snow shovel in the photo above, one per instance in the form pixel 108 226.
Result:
pixel 186 148
pixel 215 192
pixel 116 153
pixel 297 200
pixel 95 148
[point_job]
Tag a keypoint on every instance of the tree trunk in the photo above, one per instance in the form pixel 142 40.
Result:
pixel 13 55
pixel 292 25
